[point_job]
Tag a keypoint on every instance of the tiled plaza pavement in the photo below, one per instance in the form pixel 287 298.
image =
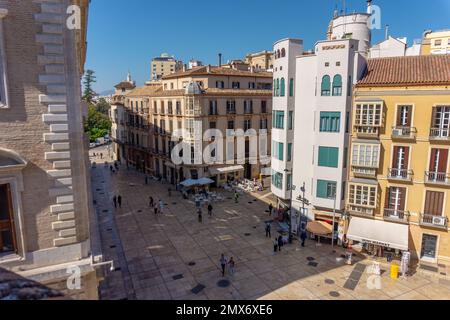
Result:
pixel 153 253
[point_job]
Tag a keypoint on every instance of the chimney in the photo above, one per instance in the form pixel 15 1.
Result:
pixel 208 69
pixel 220 59
pixel 369 7
pixel 184 68
pixel 386 32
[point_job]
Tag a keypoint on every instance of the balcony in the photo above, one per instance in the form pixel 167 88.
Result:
pixel 364 171
pixel 231 111
pixel 396 215
pixel 427 220
pixel 361 210
pixel 440 134
pixel 437 178
pixel 400 175
pixel 404 133
pixel 369 132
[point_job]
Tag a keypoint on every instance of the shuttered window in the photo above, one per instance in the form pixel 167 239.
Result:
pixel 434 203
pixel 326 86
pixel 328 157
pixel 326 189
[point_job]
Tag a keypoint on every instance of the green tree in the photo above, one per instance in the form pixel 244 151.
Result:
pixel 97 124
pixel 88 80
pixel 103 106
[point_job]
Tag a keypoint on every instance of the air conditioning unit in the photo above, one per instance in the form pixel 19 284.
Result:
pixel 439 221
pixel 397 132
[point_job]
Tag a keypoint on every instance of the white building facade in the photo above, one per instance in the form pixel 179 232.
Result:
pixel 317 110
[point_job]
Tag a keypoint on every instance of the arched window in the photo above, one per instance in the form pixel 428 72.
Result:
pixel 291 87
pixel 283 87
pixel 283 53
pixel 277 91
pixel 337 85
pixel 326 86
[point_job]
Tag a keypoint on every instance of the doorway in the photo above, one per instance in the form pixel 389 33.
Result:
pixel 7 231
pixel 429 247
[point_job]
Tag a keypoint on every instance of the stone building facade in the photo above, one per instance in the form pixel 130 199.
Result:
pixel 218 98
pixel 46 224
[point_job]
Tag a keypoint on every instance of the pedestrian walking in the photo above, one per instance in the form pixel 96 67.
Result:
pixel 119 201
pixel 151 201
pixel 268 230
pixel 115 201
pixel 210 209
pixel 155 208
pixel 303 237
pixel 200 216
pixel 101 155
pixel 231 266
pixel 223 264
pixel 275 245
pixel 161 206
pixel 270 209
pixel 236 197
pixel 280 243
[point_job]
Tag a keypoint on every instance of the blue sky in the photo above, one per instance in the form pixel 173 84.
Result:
pixel 125 35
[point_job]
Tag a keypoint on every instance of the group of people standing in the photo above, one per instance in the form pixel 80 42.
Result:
pixel 224 262
pixel 117 201
pixel 158 207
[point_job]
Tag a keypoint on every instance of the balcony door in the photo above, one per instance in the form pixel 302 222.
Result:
pixel 7 234
pixel 404 114
pixel 400 162
pixel 395 202
pixel 438 165
pixel 434 203
pixel 441 121
pixel 429 247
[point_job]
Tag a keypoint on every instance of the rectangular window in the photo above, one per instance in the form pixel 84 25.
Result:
pixel 278 119
pixel 289 152
pixel 434 203
pixel 231 107
pixel 235 85
pixel 330 122
pixel 162 107
pixel 362 195
pixel 278 150
pixel 263 124
pixel 291 120
pixel 170 107
pixel 328 157
pixel 247 124
pixel 212 125
pixel 365 155
pixel 248 106
pixel 263 106
pixel 213 107
pixel 404 116
pixel 178 107
pixel 277 180
pixel 231 125
pixel 369 115
pixel 326 189
pixel 289 182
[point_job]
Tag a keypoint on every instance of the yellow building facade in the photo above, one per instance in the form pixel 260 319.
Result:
pixel 399 154
pixel 437 42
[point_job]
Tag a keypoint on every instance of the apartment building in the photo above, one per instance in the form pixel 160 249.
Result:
pixel 398 192
pixel 215 97
pixel 164 65
pixel 436 42
pixel 47 226
pixel 118 119
pixel 262 60
pixel 311 116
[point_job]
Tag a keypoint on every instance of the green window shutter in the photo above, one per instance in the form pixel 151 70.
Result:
pixel 326 85
pixel 280 151
pixel 337 81
pixel 328 157
pixel 289 152
pixel 322 189
pixel 291 88
pixel 283 87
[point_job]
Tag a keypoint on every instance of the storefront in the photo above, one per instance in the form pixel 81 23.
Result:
pixel 227 174
pixel 379 238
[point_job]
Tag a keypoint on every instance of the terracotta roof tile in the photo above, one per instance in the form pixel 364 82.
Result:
pixel 415 71
pixel 203 70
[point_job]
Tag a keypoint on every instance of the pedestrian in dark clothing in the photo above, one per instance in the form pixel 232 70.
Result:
pixel 115 201
pixel 111 168
pixel 280 243
pixel 210 209
pixel 223 264
pixel 119 201
pixel 270 209
pixel 303 237
pixel 200 217
pixel 268 229
pixel 101 155
pixel 275 245
pixel 155 208
pixel 151 202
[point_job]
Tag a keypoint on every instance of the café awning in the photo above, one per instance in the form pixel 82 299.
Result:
pixel 216 171
pixel 377 232
pixel 319 228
